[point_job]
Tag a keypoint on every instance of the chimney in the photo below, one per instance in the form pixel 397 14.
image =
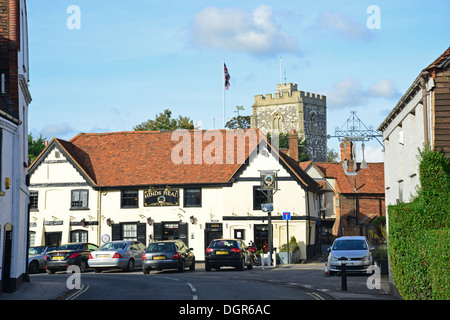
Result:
pixel 293 145
pixel 346 150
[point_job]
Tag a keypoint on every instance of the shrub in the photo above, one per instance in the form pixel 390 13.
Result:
pixel 419 233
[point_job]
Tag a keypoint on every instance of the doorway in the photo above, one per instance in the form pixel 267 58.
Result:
pixel 53 239
pixel 261 237
pixel 212 231
pixel 7 257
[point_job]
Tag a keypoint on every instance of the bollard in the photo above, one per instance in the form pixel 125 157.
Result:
pixel 344 275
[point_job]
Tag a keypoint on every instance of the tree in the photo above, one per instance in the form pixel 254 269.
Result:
pixel 242 122
pixel 35 147
pixel 332 155
pixel 164 122
pixel 283 142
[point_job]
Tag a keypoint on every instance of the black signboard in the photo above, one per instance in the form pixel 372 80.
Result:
pixel 157 197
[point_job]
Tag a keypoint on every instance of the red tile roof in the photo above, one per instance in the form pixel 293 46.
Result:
pixel 143 158
pixel 370 180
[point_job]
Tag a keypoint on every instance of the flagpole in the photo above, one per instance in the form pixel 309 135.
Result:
pixel 223 87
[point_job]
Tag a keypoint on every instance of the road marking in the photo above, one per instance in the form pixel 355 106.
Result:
pixel 316 296
pixel 83 289
pixel 194 290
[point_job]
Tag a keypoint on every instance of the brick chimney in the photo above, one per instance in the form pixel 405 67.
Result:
pixel 293 145
pixel 346 150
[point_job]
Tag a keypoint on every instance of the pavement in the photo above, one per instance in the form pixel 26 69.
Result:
pixel 306 276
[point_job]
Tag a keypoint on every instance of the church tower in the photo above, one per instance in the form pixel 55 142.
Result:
pixel 288 109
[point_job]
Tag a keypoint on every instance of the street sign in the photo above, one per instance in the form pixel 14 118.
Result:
pixel 286 216
pixel 267 207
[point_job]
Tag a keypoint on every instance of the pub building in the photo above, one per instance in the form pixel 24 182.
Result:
pixel 190 185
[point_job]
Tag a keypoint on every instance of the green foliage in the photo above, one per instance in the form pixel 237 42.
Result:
pixel 35 147
pixel 293 245
pixel 419 233
pixel 283 142
pixel 242 122
pixel 164 122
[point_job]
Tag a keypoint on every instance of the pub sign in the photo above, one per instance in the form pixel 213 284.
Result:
pixel 157 197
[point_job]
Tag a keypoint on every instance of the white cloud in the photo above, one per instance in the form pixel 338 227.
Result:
pixel 385 88
pixel 62 131
pixel 371 153
pixel 344 25
pixel 237 30
pixel 349 92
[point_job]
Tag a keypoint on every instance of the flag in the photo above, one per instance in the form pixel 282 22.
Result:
pixel 227 76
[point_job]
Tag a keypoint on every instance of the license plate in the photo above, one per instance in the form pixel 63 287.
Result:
pixel 221 252
pixel 102 256
pixel 58 258
pixel 159 257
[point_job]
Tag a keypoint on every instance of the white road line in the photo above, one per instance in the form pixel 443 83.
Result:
pixel 316 296
pixel 83 289
pixel 194 290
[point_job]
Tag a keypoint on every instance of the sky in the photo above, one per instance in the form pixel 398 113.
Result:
pixel 108 65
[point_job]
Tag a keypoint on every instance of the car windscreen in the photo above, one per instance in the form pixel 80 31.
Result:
pixel 223 244
pixel 160 246
pixel 113 246
pixel 76 246
pixel 349 245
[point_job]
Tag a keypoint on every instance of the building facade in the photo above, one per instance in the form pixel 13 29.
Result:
pixel 149 186
pixel 421 116
pixel 291 109
pixel 14 102
pixel 352 198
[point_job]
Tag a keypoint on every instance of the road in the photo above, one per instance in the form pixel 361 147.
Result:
pixel 225 284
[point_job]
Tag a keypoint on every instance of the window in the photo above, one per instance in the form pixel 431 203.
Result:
pixel 79 236
pixel 129 231
pixel 192 197
pixel 129 199
pixel 276 122
pixel 34 200
pixel 259 197
pixel 79 199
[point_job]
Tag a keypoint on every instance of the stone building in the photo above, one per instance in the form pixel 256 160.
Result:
pixel 291 109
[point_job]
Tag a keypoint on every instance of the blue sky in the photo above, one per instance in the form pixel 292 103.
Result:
pixel 130 60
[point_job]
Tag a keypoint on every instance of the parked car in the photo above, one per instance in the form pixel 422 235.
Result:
pixel 354 250
pixel 169 254
pixel 36 257
pixel 228 252
pixel 69 254
pixel 125 255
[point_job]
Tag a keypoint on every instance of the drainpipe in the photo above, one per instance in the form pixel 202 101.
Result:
pixel 423 84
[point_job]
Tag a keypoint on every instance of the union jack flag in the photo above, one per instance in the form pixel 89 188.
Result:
pixel 227 76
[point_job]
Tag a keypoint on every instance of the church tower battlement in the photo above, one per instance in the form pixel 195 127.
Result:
pixel 288 109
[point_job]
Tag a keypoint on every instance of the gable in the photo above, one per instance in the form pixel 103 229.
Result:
pixel 55 165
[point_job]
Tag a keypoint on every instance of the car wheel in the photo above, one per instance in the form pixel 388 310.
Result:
pixel 240 267
pixel 82 266
pixel 34 267
pixel 130 265
pixel 145 270
pixel 181 266
pixel 97 270
pixel 207 267
pixel 50 271
pixel 192 266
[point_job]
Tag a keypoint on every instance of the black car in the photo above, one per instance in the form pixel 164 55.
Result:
pixel 69 254
pixel 170 254
pixel 228 252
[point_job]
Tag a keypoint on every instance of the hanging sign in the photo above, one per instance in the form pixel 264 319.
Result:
pixel 156 197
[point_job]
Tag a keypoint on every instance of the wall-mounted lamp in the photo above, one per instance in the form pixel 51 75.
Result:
pixel 193 220
pixel 149 221
pixel 83 222
pixel 109 222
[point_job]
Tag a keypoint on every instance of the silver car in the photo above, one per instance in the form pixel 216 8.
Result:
pixel 354 250
pixel 36 257
pixel 125 255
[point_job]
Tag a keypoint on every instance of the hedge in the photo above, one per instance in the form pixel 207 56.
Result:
pixel 419 234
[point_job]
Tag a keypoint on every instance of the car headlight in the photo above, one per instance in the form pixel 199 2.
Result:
pixel 333 258
pixel 366 258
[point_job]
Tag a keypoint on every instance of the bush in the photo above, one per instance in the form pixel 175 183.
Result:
pixel 293 246
pixel 419 233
